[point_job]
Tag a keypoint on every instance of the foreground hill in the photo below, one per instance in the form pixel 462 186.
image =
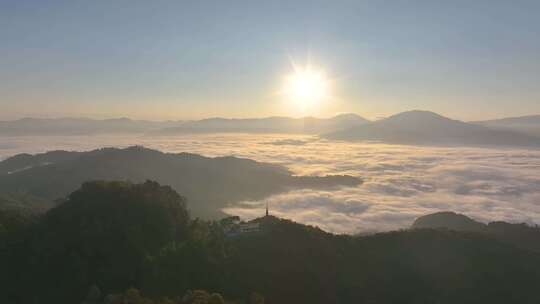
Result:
pixel 306 125
pixel 422 127
pixel 119 235
pixel 519 235
pixel 208 183
pixel 526 124
pixel 448 220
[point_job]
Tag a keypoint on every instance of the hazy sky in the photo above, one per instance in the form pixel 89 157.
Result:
pixel 191 59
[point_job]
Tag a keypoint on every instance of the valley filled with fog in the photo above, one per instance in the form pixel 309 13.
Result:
pixel 400 182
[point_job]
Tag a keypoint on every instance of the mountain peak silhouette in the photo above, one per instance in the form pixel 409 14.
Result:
pixel 429 128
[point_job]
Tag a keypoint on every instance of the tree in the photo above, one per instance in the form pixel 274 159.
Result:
pixel 105 230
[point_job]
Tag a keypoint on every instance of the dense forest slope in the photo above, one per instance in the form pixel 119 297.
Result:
pixel 519 235
pixel 208 183
pixel 118 235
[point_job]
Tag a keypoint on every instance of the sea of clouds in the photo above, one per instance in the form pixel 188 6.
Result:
pixel 400 182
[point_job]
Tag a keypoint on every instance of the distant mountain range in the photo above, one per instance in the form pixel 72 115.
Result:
pixel 526 124
pixel 209 184
pixel 411 127
pixel 79 126
pixel 423 127
pixel 307 125
pixel 82 126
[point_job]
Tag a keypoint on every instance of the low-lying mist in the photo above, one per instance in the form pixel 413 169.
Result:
pixel 400 182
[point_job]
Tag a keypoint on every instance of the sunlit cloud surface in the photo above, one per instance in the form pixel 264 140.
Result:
pixel 400 182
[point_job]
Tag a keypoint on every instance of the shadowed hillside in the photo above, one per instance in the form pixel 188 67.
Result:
pixel 208 183
pixel 519 235
pixel 117 235
pixel 448 220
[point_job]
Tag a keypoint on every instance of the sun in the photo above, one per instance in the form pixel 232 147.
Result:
pixel 306 87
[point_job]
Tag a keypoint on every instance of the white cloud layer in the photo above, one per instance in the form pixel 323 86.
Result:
pixel 401 182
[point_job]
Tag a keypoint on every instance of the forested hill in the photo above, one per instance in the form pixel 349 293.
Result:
pixel 520 235
pixel 116 235
pixel 208 183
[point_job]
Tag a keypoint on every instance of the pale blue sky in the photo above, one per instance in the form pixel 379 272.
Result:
pixel 193 59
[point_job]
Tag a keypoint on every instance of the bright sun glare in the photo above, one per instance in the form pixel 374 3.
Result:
pixel 306 87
